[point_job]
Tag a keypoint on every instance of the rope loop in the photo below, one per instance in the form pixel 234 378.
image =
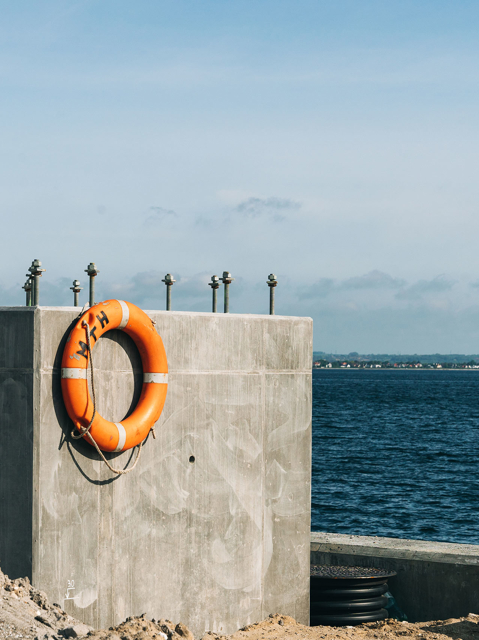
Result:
pixel 85 431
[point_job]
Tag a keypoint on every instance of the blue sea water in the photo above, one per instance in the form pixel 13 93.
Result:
pixel 396 454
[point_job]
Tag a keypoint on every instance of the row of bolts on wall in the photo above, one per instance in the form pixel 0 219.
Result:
pixel 32 287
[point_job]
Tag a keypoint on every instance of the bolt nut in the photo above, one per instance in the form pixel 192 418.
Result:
pixel 91 270
pixel 271 281
pixel 76 286
pixel 168 279
pixel 215 282
pixel 36 268
pixel 226 279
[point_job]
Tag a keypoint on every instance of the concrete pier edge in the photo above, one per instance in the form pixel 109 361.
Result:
pixel 435 580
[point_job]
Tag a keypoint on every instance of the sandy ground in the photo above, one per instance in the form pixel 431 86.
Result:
pixel 285 628
pixel 26 613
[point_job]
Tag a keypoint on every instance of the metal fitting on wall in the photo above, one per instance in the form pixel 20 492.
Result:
pixel 36 273
pixel 214 284
pixel 76 290
pixel 169 282
pixel 92 272
pixel 227 280
pixel 271 282
pixel 27 287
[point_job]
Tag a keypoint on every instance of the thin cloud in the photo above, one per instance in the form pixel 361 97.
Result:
pixel 147 290
pixel 416 291
pixel 160 216
pixel 373 280
pixel 320 289
pixel 144 289
pixel 210 222
pixel 276 208
pixel 12 296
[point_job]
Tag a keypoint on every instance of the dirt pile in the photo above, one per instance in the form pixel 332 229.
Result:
pixel 26 614
pixel 143 629
pixel 280 627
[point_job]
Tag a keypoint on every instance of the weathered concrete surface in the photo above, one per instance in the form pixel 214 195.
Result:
pixel 16 439
pixel 219 542
pixel 435 580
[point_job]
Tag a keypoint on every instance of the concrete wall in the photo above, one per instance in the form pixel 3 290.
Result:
pixel 435 580
pixel 218 542
pixel 16 439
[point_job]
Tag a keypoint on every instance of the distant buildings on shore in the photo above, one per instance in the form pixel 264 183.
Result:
pixel 371 364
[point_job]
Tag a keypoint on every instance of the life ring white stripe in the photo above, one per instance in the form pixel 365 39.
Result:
pixel 157 378
pixel 121 436
pixel 126 314
pixel 73 373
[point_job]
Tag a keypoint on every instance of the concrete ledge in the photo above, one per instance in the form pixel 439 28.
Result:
pixel 436 580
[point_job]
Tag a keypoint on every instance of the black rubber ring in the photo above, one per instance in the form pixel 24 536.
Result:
pixel 346 606
pixel 330 583
pixel 350 594
pixel 349 619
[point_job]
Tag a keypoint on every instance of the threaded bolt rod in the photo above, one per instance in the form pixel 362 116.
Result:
pixel 169 282
pixel 227 280
pixel 214 284
pixel 271 282
pixel 27 287
pixel 92 272
pixel 36 273
pixel 76 290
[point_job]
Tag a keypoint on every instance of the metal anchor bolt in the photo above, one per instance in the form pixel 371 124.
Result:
pixel 28 291
pixel 271 282
pixel 76 290
pixel 214 284
pixel 227 280
pixel 92 271
pixel 36 273
pixel 169 282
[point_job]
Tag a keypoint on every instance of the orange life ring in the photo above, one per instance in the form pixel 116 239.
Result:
pixel 115 314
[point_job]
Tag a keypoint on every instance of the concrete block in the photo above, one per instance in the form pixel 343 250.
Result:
pixel 287 507
pixel 213 526
pixel 435 580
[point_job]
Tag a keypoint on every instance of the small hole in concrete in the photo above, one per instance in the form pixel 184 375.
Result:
pixel 192 459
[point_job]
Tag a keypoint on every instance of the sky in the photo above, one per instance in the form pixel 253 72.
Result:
pixel 334 144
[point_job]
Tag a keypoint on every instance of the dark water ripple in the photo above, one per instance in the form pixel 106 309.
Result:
pixel 396 453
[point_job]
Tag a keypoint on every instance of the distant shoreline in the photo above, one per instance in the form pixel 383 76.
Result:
pixel 392 369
